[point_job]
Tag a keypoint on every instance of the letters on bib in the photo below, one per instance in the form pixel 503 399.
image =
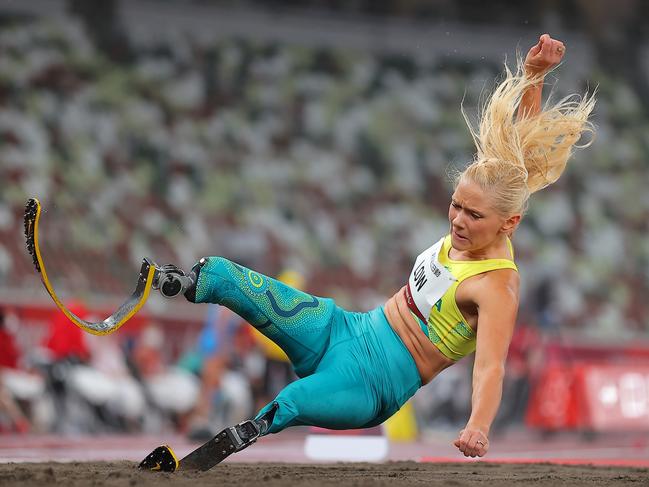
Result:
pixel 428 282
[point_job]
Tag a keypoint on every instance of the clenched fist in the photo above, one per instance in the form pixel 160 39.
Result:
pixel 472 442
pixel 545 55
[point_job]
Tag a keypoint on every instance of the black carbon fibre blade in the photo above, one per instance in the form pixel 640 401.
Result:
pixel 228 441
pixel 209 454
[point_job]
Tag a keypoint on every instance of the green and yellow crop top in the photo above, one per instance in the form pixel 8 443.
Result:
pixel 430 295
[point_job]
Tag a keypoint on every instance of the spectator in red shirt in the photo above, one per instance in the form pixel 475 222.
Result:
pixel 9 356
pixel 8 350
pixel 65 340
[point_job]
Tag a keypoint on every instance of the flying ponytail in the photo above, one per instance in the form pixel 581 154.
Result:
pixel 517 156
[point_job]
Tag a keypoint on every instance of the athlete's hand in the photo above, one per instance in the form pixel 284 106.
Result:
pixel 545 55
pixel 472 442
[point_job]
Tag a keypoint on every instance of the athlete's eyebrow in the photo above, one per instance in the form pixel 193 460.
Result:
pixel 471 210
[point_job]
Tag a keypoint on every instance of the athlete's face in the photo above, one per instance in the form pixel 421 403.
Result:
pixel 475 223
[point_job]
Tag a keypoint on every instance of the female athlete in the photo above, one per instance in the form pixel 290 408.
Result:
pixel 357 369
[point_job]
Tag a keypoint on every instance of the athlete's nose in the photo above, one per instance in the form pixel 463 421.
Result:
pixel 458 221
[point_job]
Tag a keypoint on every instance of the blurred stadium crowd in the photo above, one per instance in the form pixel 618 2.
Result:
pixel 75 383
pixel 333 163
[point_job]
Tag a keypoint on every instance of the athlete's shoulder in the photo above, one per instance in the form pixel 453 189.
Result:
pixel 498 284
pixel 494 286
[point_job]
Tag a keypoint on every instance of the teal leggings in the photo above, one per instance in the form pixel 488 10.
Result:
pixel 354 371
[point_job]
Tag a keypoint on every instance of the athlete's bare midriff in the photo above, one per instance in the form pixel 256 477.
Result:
pixel 429 360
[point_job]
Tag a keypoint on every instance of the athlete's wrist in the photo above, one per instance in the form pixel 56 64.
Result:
pixel 475 425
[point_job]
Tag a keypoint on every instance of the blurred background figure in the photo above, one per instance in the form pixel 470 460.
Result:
pixel 219 359
pixel 107 381
pixel 65 343
pixel 19 389
pixel 64 351
pixel 172 392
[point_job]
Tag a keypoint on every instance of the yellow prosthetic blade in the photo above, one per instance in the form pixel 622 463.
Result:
pixel 119 317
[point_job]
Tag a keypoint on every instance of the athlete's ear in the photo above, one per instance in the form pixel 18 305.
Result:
pixel 510 224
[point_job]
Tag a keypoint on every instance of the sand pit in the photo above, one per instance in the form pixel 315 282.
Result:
pixel 77 474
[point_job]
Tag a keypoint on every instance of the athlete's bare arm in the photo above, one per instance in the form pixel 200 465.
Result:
pixel 496 296
pixel 542 57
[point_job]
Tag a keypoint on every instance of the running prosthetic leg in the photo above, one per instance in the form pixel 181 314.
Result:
pixel 230 440
pixel 170 280
pixel 123 313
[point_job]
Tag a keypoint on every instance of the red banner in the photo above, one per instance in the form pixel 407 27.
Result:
pixel 591 397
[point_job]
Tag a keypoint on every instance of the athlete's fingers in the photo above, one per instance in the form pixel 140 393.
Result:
pixel 478 445
pixel 547 46
pixel 549 55
pixel 457 443
pixel 483 447
pixel 475 443
pixel 472 443
pixel 534 50
pixel 463 442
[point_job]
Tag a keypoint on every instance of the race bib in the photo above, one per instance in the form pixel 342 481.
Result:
pixel 428 281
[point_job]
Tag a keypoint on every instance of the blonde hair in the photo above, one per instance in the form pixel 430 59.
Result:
pixel 517 156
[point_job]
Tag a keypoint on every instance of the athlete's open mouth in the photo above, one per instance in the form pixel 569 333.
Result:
pixel 457 235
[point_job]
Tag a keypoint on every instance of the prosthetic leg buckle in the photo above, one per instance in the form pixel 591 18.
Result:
pixel 162 459
pixel 244 434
